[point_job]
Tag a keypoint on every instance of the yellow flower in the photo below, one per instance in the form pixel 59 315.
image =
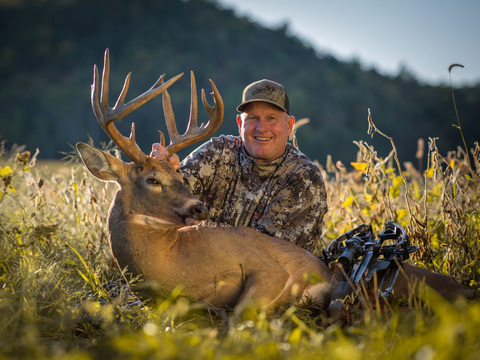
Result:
pixel 430 172
pixel 359 166
pixel 5 171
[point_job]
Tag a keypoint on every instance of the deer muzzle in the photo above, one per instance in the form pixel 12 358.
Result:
pixel 192 212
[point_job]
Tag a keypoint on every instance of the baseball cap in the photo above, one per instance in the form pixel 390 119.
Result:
pixel 267 91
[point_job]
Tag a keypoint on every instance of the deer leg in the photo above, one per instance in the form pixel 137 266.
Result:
pixel 264 290
pixel 442 284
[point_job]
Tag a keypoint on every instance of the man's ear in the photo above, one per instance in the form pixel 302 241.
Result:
pixel 239 123
pixel 291 124
pixel 101 164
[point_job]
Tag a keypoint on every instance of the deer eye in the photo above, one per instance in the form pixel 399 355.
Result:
pixel 152 181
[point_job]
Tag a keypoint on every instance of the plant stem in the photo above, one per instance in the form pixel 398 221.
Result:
pixel 458 119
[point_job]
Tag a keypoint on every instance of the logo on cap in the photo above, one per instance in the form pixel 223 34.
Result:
pixel 268 90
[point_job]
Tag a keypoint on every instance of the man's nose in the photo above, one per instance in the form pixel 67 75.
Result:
pixel 262 124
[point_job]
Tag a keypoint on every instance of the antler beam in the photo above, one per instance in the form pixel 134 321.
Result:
pixel 106 115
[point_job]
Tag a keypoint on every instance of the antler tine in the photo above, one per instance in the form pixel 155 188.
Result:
pixel 170 116
pixel 106 115
pixel 216 112
pixel 192 121
pixel 193 133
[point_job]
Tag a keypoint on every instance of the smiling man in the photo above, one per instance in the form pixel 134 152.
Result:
pixel 258 179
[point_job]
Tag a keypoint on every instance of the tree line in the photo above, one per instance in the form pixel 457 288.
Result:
pixel 49 48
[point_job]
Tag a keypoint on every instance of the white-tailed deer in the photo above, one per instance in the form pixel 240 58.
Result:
pixel 153 221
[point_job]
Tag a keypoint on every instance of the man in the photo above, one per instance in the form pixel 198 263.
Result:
pixel 258 179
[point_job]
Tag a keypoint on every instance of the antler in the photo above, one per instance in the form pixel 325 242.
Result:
pixel 193 133
pixel 106 115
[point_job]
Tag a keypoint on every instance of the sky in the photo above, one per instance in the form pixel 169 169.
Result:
pixel 423 36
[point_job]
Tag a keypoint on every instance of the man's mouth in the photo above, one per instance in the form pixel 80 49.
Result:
pixel 258 138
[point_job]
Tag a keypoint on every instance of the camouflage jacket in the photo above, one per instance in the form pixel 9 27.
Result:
pixel 285 198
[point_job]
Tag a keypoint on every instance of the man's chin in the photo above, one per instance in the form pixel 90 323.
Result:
pixel 262 151
pixel 263 157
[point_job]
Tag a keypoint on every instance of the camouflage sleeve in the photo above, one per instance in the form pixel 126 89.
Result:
pixel 296 214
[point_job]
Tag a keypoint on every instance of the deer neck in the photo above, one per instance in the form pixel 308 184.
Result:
pixel 126 226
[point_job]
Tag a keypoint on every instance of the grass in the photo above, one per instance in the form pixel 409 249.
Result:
pixel 54 258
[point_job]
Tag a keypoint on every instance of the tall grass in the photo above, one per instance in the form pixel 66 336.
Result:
pixel 438 207
pixel 54 258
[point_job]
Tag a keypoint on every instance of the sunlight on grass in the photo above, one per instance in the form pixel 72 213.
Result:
pixel 55 263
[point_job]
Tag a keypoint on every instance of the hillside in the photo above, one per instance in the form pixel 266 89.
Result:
pixel 49 48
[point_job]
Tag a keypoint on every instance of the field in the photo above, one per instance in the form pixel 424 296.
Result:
pixel 54 258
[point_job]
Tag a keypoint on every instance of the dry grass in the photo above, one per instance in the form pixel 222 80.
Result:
pixel 54 258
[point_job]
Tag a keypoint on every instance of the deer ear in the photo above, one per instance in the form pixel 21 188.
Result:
pixel 101 164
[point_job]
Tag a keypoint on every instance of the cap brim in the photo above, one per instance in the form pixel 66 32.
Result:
pixel 242 106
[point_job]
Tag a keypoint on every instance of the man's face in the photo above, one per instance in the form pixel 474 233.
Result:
pixel 264 129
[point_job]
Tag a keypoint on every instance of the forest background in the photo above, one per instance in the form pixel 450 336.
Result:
pixel 49 47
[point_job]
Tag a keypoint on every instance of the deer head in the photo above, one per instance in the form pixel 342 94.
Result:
pixel 146 183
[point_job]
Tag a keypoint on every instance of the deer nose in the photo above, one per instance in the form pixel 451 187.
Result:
pixel 193 210
pixel 199 211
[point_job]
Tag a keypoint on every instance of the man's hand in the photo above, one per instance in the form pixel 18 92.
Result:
pixel 159 152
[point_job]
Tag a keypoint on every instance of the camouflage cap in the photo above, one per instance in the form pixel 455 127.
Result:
pixel 266 91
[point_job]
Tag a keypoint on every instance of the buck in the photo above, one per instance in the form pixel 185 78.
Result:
pixel 153 219
pixel 153 222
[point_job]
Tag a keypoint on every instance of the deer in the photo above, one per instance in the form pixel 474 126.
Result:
pixel 154 222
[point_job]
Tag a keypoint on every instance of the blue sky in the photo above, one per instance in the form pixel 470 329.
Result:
pixel 424 36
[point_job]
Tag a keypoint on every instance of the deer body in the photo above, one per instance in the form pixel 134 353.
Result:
pixel 221 272
pixel 150 233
